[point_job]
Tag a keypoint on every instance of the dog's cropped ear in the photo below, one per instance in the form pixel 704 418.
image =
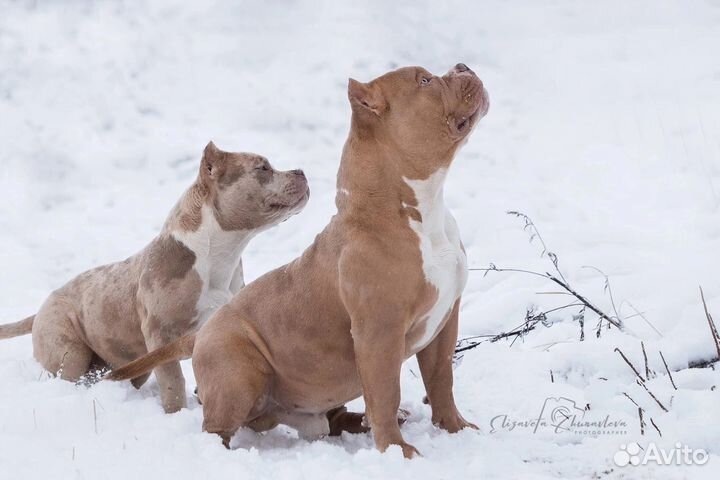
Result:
pixel 212 161
pixel 366 97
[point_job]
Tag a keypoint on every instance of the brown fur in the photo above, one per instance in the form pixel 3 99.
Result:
pixel 177 350
pixel 116 313
pixel 302 340
pixel 23 327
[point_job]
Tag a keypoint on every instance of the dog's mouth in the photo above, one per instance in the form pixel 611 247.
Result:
pixel 463 123
pixel 292 203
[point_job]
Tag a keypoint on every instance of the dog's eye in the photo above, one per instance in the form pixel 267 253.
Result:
pixel 425 81
pixel 264 167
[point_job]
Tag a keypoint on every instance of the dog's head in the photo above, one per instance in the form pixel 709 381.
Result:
pixel 422 114
pixel 247 193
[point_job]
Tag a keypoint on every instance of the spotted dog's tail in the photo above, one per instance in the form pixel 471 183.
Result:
pixel 180 349
pixel 23 327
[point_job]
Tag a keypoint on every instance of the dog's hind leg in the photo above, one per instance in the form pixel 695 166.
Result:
pixel 341 420
pixel 233 379
pixel 56 345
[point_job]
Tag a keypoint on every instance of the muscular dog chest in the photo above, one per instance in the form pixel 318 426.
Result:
pixel 217 262
pixel 443 261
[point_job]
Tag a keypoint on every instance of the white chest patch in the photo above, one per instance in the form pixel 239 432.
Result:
pixel 443 261
pixel 217 261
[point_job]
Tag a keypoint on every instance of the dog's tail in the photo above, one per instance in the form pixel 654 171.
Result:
pixel 23 327
pixel 180 349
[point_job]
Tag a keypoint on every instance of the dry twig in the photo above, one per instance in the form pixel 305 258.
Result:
pixel 656 427
pixel 642 422
pixel 672 381
pixel 640 414
pixel 711 323
pixel 641 380
pixel 648 373
pixel 629 363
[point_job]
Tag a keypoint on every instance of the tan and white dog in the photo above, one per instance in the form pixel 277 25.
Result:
pixel 113 314
pixel 382 282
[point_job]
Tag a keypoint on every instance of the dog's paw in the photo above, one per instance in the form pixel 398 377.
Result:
pixel 453 423
pixel 409 451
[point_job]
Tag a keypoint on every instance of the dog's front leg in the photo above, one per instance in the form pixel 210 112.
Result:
pixel 172 386
pixel 435 362
pixel 171 381
pixel 379 343
pixel 377 324
pixel 379 356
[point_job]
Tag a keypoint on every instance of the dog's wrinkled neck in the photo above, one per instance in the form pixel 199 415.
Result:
pixel 186 215
pixel 372 179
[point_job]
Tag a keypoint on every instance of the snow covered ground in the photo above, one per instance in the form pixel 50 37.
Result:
pixel 604 128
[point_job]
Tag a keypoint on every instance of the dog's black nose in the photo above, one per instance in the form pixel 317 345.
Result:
pixel 461 67
pixel 298 172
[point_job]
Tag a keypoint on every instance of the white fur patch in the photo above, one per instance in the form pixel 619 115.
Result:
pixel 443 260
pixel 217 261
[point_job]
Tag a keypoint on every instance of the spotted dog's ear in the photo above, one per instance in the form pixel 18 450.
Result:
pixel 366 97
pixel 213 161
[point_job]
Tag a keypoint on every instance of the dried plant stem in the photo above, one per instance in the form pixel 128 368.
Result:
pixel 585 301
pixel 530 323
pixel 647 368
pixel 642 384
pixel 672 381
pixel 641 315
pixel 704 363
pixel 711 323
pixel 641 380
pixel 656 427
pixel 642 422
pixel 630 398
pixel 641 412
pixel 95 417
pixel 535 233
pixel 629 363
pixel 608 289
